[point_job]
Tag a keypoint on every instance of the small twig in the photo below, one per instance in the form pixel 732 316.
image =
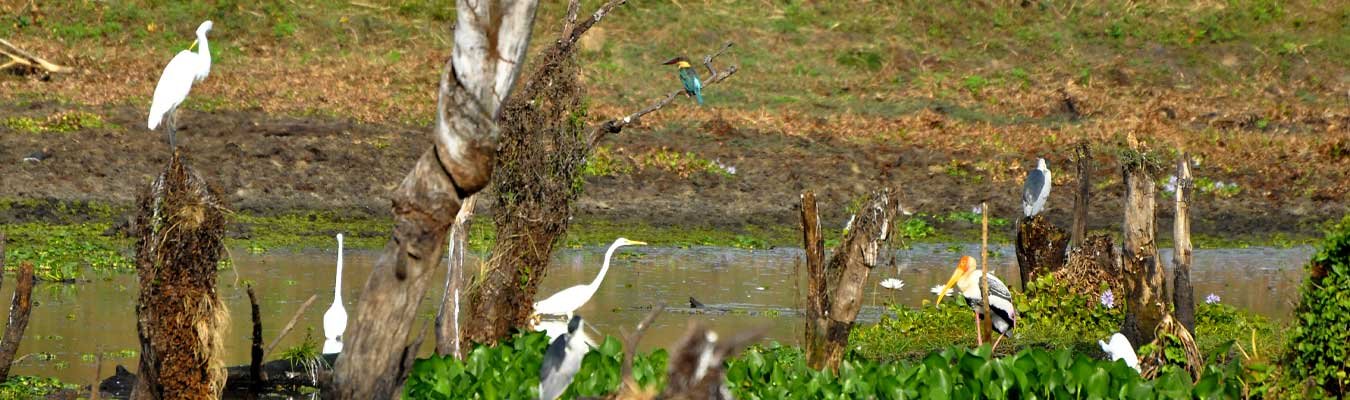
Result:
pixel 630 344
pixel 987 327
pixel 581 28
pixel 291 324
pixel 617 125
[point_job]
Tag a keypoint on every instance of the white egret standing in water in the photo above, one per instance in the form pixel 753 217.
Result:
pixel 174 84
pixel 335 319
pixel 1120 349
pixel 569 300
pixel 967 279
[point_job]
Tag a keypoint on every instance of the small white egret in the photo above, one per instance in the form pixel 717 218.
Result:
pixel 335 319
pixel 174 84
pixel 1036 189
pixel 967 279
pixel 569 300
pixel 1120 349
pixel 562 360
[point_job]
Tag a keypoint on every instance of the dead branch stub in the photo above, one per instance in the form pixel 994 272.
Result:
pixel 256 350
pixel 864 247
pixel 1083 161
pixel 180 318
pixel 447 318
pixel 1183 295
pixel 491 38
pixel 1040 248
pixel 19 310
pixel 1142 270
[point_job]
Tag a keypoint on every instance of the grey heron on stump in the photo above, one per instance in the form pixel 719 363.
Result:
pixel 1036 189
pixel 176 81
pixel 562 360
pixel 966 278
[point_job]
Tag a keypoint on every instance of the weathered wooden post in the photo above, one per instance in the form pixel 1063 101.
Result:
pixel 1143 272
pixel 818 297
pixel 180 318
pixel 1083 160
pixel 20 308
pixel 987 324
pixel 1183 295
pixel 863 248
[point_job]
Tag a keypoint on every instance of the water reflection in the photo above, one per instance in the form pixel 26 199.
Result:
pixel 72 323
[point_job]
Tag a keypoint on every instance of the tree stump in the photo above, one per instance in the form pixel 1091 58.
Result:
pixel 1143 273
pixel 1040 248
pixel 1090 264
pixel 180 319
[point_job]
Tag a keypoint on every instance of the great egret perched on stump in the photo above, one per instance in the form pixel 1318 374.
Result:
pixel 183 70
pixel 570 299
pixel 1036 189
pixel 335 319
pixel 562 360
pixel 1120 349
pixel 966 278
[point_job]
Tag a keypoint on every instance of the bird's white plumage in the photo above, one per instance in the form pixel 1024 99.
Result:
pixel 569 300
pixel 1120 349
pixel 1036 189
pixel 176 81
pixel 335 319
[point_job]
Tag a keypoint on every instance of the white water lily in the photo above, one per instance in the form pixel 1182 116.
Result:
pixel 938 290
pixel 893 284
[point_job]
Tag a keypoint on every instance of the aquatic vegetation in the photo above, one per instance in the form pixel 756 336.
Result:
pixel 1320 342
pixel 32 387
pixel 60 253
pixel 603 162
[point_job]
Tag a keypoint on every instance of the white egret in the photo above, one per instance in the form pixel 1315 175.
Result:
pixel 569 300
pixel 335 319
pixel 967 279
pixel 1120 349
pixel 562 360
pixel 183 70
pixel 1036 189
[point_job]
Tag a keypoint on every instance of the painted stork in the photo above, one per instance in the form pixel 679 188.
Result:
pixel 966 278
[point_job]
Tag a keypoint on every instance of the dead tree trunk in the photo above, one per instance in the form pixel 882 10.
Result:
pixel 544 146
pixel 864 247
pixel 1183 296
pixel 1040 248
pixel 490 42
pixel 447 319
pixel 818 296
pixel 1083 159
pixel 180 318
pixel 256 350
pixel 19 310
pixel 1143 272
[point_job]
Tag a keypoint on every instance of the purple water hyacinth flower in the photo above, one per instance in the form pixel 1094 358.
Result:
pixel 1212 299
pixel 1108 299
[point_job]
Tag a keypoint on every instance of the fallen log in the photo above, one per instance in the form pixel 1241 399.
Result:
pixel 27 62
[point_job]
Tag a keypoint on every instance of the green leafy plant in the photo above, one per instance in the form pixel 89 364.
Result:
pixel 1319 352
pixel 603 162
pixel 32 387
pixel 916 228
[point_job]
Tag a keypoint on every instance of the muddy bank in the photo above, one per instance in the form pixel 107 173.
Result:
pixel 274 165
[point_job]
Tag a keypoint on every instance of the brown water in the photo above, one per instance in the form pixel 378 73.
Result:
pixel 70 323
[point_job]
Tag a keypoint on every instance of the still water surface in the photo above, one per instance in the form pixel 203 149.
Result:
pixel 71 323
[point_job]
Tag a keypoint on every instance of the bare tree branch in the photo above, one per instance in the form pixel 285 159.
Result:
pixel 630 348
pixel 291 324
pixel 617 125
pixel 570 22
pixel 570 38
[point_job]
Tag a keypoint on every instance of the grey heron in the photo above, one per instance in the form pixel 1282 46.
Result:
pixel 335 319
pixel 967 279
pixel 1036 189
pixel 1120 349
pixel 568 300
pixel 562 360
pixel 176 81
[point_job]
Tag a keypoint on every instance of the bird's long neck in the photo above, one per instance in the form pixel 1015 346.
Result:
pixel 204 52
pixel 337 287
pixel 604 268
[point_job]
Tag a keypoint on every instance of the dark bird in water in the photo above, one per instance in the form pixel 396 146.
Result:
pixel 38 156
pixel 966 278
pixel 694 303
pixel 692 85
pixel 562 360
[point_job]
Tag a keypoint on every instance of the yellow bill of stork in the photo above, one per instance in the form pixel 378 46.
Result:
pixel 966 278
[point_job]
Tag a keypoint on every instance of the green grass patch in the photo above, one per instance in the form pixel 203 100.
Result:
pixel 63 122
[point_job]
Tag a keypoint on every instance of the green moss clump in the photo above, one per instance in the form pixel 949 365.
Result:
pixel 1319 353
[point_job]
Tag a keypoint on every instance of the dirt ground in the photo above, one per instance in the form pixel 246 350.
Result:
pixel 273 165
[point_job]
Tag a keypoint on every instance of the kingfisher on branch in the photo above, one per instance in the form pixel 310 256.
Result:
pixel 692 85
